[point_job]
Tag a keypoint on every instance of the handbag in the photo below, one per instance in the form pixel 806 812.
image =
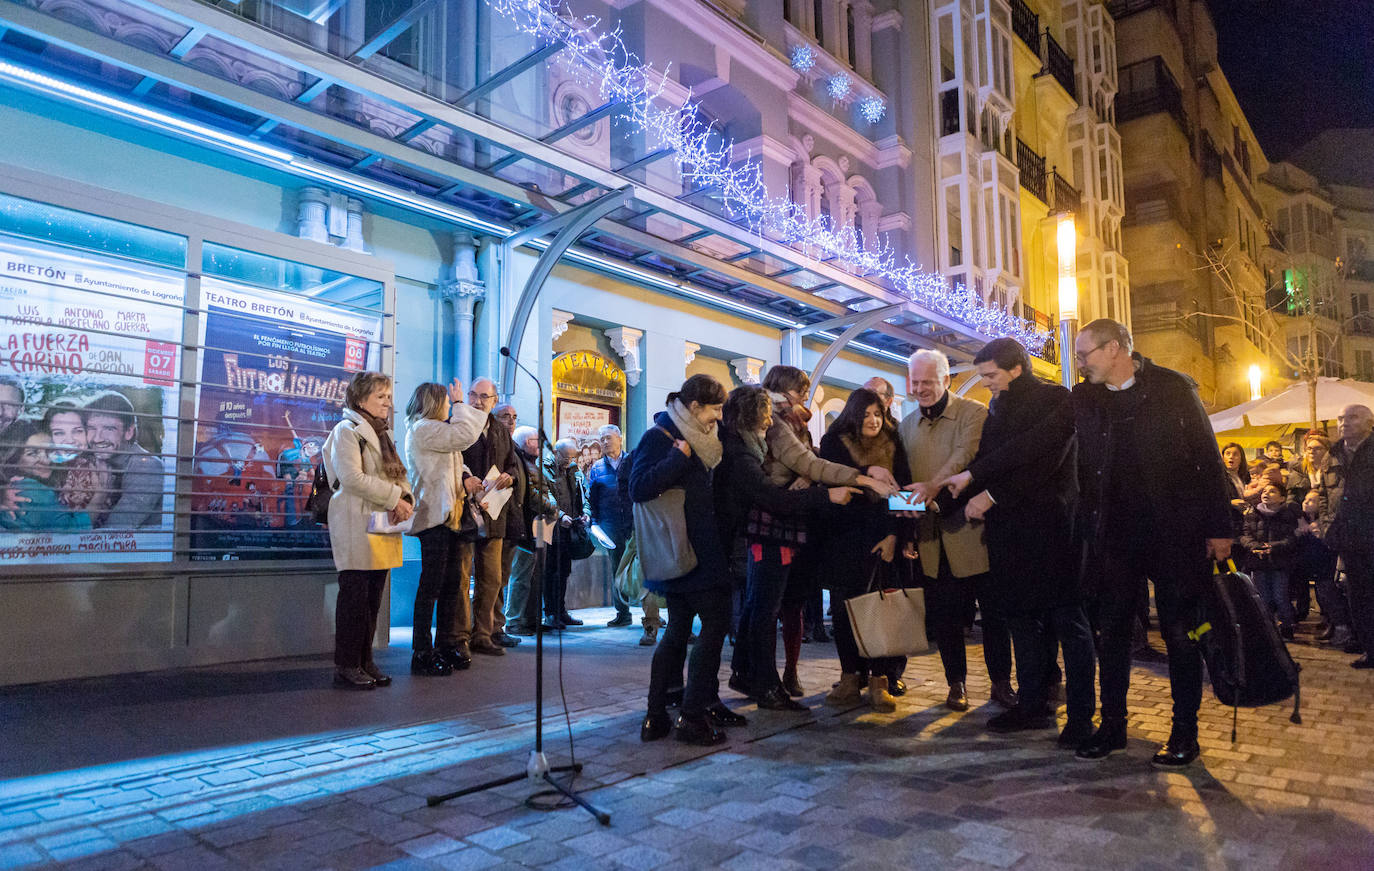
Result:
pixel 379 523
pixel 629 575
pixel 888 622
pixel 580 544
pixel 661 527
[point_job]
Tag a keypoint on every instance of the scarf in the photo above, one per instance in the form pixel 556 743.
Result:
pixel 1266 510
pixel 933 413
pixel 392 467
pixel 877 451
pixel 705 444
pixel 797 416
pixel 756 443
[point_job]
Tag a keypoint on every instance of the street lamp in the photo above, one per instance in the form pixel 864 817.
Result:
pixel 1067 237
pixel 1255 376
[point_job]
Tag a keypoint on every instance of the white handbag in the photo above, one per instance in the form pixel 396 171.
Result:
pixel 888 622
pixel 379 523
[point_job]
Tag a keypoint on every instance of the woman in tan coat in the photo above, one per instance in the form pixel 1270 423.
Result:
pixel 368 477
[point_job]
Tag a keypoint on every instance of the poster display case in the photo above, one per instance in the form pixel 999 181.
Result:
pixel 589 392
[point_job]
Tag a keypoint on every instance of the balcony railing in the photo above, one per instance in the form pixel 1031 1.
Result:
pixel 1121 8
pixel 1063 196
pixel 1032 168
pixel 1147 87
pixel 1362 324
pixel 1026 24
pixel 949 112
pixel 1058 63
pixel 1360 270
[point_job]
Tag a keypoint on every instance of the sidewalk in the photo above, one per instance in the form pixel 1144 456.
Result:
pixel 263 766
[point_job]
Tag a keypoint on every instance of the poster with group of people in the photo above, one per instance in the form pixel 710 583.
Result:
pixel 88 416
pixel 274 370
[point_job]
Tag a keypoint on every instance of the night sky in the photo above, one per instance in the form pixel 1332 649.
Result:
pixel 1298 66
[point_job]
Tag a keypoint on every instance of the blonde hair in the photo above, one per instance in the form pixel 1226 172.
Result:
pixel 428 402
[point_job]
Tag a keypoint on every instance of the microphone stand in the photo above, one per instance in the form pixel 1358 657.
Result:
pixel 537 768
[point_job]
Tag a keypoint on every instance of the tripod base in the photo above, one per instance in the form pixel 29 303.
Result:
pixel 537 769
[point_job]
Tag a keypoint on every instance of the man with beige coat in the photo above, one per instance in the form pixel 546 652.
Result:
pixel 941 438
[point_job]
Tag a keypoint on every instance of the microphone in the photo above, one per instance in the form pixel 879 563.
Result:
pixel 505 352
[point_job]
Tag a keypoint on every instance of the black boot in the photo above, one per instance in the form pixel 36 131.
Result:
pixel 1075 733
pixel 657 724
pixel 1181 748
pixel 1109 737
pixel 697 730
pixel 719 715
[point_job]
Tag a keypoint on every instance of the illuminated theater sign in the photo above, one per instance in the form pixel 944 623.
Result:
pixel 588 393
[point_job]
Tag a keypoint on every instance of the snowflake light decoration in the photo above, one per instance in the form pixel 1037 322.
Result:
pixel 803 58
pixel 602 62
pixel 838 86
pixel 873 109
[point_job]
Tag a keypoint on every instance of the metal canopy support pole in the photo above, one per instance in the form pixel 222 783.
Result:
pixel 570 226
pixel 861 322
pixel 791 347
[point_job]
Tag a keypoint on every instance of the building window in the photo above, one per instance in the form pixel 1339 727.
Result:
pixel 818 20
pixel 851 36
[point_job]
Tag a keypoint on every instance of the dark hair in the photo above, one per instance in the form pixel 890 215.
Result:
pixel 1105 330
pixel 851 419
pixel 113 405
pixel 745 408
pixel 12 444
pixel 1244 470
pixel 1283 491
pixel 781 379
pixel 1276 444
pixel 701 389
pixel 1006 354
pixel 61 406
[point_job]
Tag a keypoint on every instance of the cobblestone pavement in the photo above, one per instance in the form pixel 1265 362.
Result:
pixel 921 788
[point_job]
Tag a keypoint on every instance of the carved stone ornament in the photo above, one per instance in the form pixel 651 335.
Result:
pixel 625 342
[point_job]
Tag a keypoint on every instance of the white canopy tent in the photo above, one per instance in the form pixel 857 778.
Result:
pixel 1293 404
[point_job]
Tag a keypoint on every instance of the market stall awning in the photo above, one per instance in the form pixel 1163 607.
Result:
pixel 1293 404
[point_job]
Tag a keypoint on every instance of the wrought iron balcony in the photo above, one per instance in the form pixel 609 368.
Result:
pixel 1058 64
pixel 1032 168
pixel 1119 9
pixel 1063 196
pixel 1025 24
pixel 1147 87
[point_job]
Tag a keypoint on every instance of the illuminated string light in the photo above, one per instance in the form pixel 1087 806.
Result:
pixel 873 109
pixel 603 62
pixel 838 86
pixel 803 58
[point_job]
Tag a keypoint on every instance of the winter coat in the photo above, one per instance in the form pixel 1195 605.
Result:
pixel 845 550
pixel 791 456
pixel 936 450
pixel 1278 530
pixel 743 490
pixel 361 490
pixel 1352 530
pixel 1327 481
pixel 493 448
pixel 657 467
pixel 1034 488
pixel 609 511
pixel 434 461
pixel 536 500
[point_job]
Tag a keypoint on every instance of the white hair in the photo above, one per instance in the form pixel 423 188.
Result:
pixel 930 355
pixel 608 429
pixel 522 434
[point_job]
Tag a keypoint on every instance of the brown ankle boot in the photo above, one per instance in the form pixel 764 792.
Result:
pixel 878 696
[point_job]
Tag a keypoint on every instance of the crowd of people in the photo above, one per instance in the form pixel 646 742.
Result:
pixel 1048 512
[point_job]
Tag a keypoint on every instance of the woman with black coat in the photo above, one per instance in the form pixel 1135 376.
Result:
pixel 680 451
pixel 862 540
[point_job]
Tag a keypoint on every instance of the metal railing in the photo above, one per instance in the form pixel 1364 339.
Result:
pixel 1121 8
pixel 1147 87
pixel 1026 24
pixel 1058 63
pixel 1032 168
pixel 1063 196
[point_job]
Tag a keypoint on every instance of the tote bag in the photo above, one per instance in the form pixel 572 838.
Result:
pixel 661 533
pixel 888 622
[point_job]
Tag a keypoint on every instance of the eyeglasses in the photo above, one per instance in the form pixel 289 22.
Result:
pixel 482 396
pixel 1082 356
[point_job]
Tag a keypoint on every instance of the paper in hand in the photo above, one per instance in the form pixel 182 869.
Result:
pixel 494 500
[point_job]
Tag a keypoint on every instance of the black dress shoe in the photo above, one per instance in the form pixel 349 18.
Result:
pixel 553 624
pixel 353 679
pixel 1075 733
pixel 1109 737
pixel 428 663
pixel 896 686
pixel 487 647
pixel 459 657
pixel 519 629
pixel 698 731
pixel 777 699
pixel 1363 662
pixel 657 724
pixel 1181 750
pixel 569 619
pixel 1003 694
pixel 719 715
pixel 378 677
pixel 1019 719
pixel 957 700
pixel 621 620
pixel 505 640
pixel 738 683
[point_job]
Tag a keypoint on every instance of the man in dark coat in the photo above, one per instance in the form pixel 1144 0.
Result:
pixel 568 488
pixel 1352 531
pixel 480 551
pixel 1026 489
pixel 516 529
pixel 610 512
pixel 1153 503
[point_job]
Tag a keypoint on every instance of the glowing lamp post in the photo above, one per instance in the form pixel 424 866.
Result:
pixel 1066 236
pixel 1255 376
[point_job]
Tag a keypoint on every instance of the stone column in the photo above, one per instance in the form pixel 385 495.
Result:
pixel 464 289
pixel 312 215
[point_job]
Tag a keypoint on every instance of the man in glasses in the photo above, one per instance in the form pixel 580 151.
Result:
pixel 1153 504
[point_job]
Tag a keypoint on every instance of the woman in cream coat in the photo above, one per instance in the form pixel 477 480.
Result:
pixel 367 476
pixel 439 428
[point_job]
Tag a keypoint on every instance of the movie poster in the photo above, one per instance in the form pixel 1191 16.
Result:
pixel 88 407
pixel 274 371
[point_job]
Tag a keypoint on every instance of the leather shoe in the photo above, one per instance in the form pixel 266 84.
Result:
pixel 1019 720
pixel 1109 737
pixel 1075 733
pixel 378 677
pixel 657 724
pixel 738 683
pixel 569 619
pixel 896 687
pixel 792 685
pixel 1353 646
pixel 487 647
pixel 505 640
pixel 553 624
pixel 621 620
pixel 428 663
pixel 1003 694
pixel 519 629
pixel 459 657
pixel 353 679
pixel 1363 662
pixel 777 699
pixel 719 715
pixel 1181 750
pixel 698 731
pixel 957 700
